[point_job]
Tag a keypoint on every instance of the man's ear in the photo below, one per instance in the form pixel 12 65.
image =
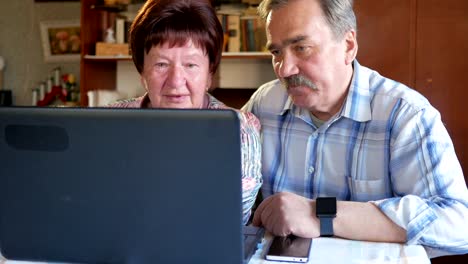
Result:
pixel 351 46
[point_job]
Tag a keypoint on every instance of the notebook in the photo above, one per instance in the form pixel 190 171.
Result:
pixel 96 185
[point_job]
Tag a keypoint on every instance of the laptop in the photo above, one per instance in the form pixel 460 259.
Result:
pixel 99 185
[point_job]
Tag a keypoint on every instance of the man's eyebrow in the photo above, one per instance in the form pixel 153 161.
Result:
pixel 271 46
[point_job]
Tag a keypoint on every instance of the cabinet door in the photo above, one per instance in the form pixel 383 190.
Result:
pixel 442 65
pixel 385 32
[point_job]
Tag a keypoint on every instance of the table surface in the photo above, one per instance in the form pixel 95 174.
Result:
pixel 336 250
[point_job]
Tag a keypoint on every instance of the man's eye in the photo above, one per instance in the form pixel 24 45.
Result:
pixel 275 52
pixel 192 65
pixel 302 48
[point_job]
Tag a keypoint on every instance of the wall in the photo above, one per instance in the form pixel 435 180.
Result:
pixel 21 47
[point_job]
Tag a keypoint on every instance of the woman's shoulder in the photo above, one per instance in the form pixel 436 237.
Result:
pixel 249 119
pixel 128 103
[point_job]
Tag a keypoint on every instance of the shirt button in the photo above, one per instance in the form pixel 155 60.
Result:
pixel 311 169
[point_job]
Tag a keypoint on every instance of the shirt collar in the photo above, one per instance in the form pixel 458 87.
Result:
pixel 357 105
pixel 288 105
pixel 144 102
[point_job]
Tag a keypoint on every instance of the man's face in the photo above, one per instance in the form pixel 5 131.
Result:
pixel 313 65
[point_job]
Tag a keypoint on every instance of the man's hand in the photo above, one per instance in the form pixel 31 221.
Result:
pixel 286 213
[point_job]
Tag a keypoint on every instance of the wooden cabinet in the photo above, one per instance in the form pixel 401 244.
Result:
pixel 421 43
pixel 385 35
pixel 441 65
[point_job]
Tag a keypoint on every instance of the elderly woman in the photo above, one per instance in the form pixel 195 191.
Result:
pixel 176 46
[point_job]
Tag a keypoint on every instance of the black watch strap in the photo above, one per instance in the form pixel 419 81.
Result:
pixel 326 226
pixel 326 211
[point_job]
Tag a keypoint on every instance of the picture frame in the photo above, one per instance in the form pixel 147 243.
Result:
pixel 61 40
pixel 56 0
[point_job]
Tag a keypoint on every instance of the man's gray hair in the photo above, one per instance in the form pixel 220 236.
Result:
pixel 338 14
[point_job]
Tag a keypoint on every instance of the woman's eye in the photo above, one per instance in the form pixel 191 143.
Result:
pixel 161 65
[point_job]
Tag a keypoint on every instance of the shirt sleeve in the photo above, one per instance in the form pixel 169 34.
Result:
pixel 430 194
pixel 251 150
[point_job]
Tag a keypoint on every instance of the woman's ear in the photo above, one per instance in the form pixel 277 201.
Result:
pixel 351 46
pixel 144 83
pixel 209 82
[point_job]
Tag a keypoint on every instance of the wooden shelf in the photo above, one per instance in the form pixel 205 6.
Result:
pixel 102 58
pixel 110 8
pixel 247 55
pixel 226 55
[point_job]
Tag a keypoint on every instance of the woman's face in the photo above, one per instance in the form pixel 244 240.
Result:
pixel 176 77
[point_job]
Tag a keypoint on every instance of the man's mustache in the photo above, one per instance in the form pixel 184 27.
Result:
pixel 299 80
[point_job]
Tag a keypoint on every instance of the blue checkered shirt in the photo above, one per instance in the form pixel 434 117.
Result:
pixel 386 145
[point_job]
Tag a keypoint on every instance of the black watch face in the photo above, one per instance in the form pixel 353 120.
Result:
pixel 326 206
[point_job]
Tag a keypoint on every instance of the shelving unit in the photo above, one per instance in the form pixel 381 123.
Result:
pixel 99 72
pixel 226 55
pixel 94 74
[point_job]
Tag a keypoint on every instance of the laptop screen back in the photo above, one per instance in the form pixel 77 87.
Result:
pixel 120 185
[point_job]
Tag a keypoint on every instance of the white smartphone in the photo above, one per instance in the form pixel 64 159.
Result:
pixel 290 248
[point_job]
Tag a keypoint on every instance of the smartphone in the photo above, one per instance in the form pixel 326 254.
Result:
pixel 290 248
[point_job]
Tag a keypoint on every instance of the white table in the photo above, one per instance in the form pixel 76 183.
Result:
pixel 336 250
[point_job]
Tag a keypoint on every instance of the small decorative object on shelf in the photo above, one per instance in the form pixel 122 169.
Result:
pixel 117 2
pixel 2 66
pixel 111 5
pixel 6 96
pixel 110 2
pixel 58 90
pixel 34 96
pixel 109 36
pixel 112 49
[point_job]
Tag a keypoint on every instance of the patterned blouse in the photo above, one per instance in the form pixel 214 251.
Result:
pixel 250 144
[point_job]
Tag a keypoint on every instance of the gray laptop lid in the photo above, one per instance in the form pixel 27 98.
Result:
pixel 120 185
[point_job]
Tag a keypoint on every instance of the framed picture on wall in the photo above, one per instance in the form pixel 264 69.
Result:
pixel 61 40
pixel 56 0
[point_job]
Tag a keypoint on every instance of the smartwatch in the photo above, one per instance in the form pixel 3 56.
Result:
pixel 325 208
